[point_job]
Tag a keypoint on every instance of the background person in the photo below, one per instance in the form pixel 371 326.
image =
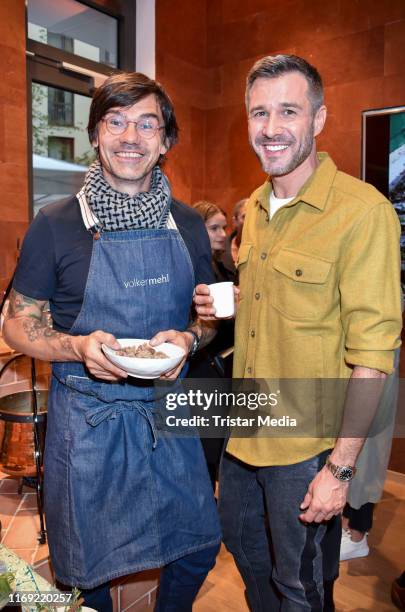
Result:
pixel 208 363
pixel 367 488
pixel 233 240
pixel 216 222
pixel 119 260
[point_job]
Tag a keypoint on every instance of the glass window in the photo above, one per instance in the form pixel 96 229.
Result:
pixel 74 27
pixel 60 145
pixel 384 160
pixel 60 41
pixel 60 107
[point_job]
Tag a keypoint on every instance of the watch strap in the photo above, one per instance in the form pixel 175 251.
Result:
pixel 196 342
pixel 344 473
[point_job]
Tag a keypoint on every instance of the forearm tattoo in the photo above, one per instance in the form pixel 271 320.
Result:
pixel 206 330
pixel 35 330
pixel 18 303
pixel 36 320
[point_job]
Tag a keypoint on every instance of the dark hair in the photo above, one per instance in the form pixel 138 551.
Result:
pixel 273 66
pixel 125 89
pixel 208 209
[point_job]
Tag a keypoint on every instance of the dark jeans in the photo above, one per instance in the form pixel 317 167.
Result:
pixel 98 598
pixel 361 519
pixel 285 564
pixel 181 580
pixel 212 448
pixel 179 584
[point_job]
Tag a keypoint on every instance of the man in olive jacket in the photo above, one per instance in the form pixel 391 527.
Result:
pixel 320 299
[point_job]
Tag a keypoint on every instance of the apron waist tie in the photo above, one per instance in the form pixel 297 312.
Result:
pixel 149 417
pixel 95 416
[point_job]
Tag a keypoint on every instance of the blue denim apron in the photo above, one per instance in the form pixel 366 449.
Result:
pixel 119 498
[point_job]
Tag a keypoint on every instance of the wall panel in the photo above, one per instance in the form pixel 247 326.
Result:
pixel 13 135
pixel 356 45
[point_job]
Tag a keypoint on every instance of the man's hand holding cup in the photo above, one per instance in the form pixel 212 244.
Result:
pixel 216 301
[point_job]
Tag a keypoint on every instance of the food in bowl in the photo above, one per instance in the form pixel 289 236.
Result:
pixel 146 366
pixel 145 351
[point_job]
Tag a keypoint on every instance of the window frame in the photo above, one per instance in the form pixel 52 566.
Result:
pixel 66 139
pixel 53 103
pixel 58 68
pixel 124 11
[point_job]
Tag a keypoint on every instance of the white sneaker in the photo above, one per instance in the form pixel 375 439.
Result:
pixel 352 550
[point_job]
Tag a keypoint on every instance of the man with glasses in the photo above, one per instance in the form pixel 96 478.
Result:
pixel 320 299
pixel 119 260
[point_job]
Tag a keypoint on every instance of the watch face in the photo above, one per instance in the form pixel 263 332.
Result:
pixel 345 473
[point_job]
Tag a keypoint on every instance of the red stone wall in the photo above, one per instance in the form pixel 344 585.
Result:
pixel 181 57
pixel 355 45
pixel 13 135
pixel 204 50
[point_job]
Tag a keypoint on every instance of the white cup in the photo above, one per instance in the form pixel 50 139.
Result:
pixel 224 301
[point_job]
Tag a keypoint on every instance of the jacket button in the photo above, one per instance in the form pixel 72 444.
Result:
pixel 252 333
pixel 249 370
pixel 263 255
pixel 257 296
pixel 298 272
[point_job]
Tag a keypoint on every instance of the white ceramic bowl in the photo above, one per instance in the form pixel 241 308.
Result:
pixel 142 367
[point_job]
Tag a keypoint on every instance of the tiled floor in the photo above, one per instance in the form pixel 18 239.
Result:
pixel 20 521
pixel 20 528
pixel 364 584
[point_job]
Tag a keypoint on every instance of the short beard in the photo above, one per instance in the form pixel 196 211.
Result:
pixel 300 156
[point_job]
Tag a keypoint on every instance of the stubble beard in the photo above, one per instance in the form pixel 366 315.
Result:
pixel 296 160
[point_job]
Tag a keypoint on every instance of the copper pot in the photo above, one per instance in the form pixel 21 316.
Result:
pixel 17 449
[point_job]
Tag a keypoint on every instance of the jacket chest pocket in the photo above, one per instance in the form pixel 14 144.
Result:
pixel 243 263
pixel 243 255
pixel 300 287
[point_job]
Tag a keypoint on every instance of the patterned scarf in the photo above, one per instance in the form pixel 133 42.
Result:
pixel 120 211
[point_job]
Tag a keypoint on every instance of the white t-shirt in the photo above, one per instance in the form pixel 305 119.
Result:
pixel 276 203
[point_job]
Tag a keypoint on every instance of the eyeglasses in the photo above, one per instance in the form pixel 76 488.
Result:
pixel 116 124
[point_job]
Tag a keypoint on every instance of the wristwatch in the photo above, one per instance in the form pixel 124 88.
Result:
pixel 344 473
pixel 196 342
